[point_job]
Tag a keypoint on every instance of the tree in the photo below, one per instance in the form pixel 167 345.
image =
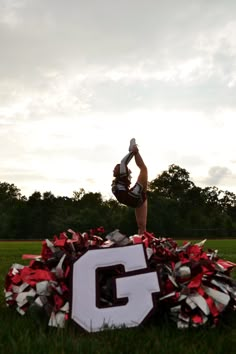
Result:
pixel 9 192
pixel 173 183
pixel 35 197
pixel 228 203
pixel 78 195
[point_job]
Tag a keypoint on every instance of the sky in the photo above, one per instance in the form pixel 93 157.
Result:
pixel 79 79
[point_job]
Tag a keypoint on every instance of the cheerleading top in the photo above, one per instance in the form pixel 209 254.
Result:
pixel 133 197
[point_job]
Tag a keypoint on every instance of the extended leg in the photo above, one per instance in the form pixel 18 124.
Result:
pixel 141 217
pixel 141 212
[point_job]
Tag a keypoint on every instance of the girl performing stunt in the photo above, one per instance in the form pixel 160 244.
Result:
pixel 134 197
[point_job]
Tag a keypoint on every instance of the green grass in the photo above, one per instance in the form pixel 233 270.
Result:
pixel 31 334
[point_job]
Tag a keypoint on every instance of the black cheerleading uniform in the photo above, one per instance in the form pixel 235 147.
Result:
pixel 133 197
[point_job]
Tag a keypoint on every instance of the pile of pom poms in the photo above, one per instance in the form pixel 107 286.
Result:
pixel 196 285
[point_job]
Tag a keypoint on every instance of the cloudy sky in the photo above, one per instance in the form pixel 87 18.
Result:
pixel 79 78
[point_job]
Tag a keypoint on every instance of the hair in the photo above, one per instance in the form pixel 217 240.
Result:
pixel 116 171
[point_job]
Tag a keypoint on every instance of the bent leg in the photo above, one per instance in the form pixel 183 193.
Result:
pixel 141 217
pixel 124 163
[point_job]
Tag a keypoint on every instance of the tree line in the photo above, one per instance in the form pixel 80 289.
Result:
pixel 176 208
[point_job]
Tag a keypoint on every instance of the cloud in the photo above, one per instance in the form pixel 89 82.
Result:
pixel 217 174
pixel 221 177
pixel 78 78
pixel 58 59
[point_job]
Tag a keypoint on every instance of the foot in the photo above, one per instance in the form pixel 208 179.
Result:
pixel 132 144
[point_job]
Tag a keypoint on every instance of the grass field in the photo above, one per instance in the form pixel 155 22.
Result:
pixel 31 334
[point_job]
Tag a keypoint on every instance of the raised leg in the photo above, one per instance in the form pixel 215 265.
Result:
pixel 141 212
pixel 143 174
